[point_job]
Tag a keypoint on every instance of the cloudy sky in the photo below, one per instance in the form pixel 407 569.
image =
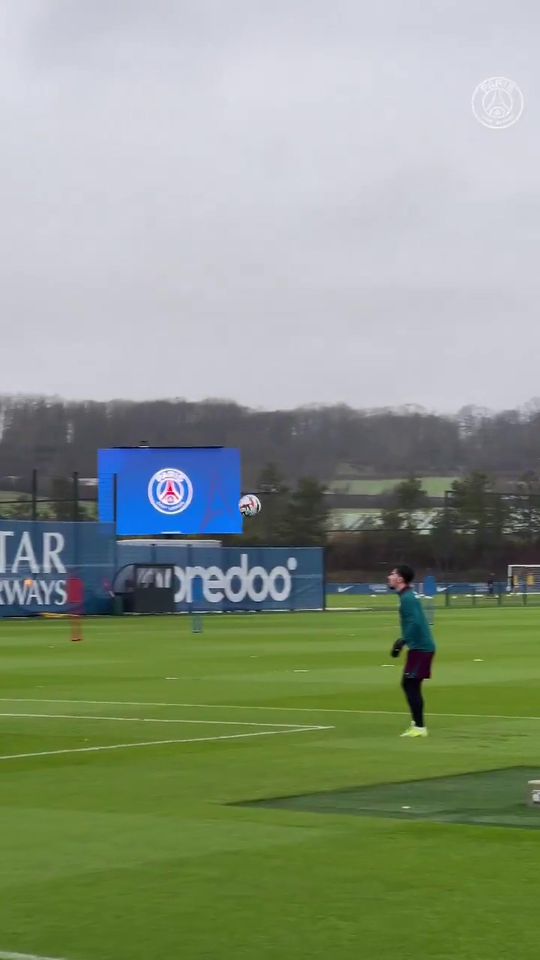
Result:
pixel 280 203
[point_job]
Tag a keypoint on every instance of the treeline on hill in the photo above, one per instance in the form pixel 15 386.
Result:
pixel 478 531
pixel 59 437
pixel 290 456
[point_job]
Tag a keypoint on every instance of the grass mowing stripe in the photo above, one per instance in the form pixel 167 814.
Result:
pixel 6 955
pixel 244 706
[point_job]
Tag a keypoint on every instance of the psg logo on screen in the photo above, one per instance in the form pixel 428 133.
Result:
pixel 170 491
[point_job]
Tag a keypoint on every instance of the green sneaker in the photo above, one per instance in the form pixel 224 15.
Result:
pixel 409 731
pixel 415 731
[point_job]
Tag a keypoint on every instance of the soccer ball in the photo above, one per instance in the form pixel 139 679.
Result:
pixel 249 505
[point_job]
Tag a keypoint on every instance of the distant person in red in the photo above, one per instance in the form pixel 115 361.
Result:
pixel 75 599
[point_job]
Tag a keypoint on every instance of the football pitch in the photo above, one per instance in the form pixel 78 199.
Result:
pixel 243 793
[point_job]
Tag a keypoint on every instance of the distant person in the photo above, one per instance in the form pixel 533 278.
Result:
pixel 75 599
pixel 490 584
pixel 416 635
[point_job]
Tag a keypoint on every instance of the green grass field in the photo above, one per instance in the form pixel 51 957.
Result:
pixel 433 486
pixel 125 761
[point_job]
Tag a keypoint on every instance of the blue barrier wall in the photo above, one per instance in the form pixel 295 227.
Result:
pixel 368 589
pixel 357 589
pixel 37 559
pixel 234 578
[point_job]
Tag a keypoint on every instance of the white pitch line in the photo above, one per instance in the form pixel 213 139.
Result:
pixel 244 706
pixel 6 955
pixel 154 743
pixel 215 723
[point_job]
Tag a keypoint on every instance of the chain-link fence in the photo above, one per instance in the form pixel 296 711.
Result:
pixel 42 497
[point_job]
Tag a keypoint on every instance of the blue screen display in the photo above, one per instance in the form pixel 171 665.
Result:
pixel 178 490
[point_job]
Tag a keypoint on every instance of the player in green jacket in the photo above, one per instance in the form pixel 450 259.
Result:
pixel 416 635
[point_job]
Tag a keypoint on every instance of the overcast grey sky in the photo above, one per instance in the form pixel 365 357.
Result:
pixel 281 203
